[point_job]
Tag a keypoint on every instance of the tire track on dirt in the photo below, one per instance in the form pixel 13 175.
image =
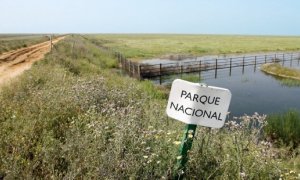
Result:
pixel 15 62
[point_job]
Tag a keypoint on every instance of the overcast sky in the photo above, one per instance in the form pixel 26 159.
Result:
pixel 252 17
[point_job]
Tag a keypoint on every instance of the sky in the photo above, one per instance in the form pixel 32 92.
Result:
pixel 247 17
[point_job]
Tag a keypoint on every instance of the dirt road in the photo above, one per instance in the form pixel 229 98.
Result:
pixel 15 62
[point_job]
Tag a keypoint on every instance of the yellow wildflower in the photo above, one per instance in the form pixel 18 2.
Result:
pixel 176 142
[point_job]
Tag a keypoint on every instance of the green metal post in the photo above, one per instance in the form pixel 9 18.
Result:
pixel 186 145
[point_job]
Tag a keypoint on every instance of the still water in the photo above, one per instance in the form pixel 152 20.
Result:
pixel 252 90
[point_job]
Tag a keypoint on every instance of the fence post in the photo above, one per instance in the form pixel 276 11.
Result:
pixel 160 69
pixel 139 72
pixel 230 66
pixel 216 69
pixel 181 69
pixel 200 68
pixel 160 78
pixel 133 69
pixel 265 59
pixel 254 63
pixel 129 67
pixel 243 64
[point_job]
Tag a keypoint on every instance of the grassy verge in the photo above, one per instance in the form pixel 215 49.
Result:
pixel 284 128
pixel 73 116
pixel 280 71
pixel 8 43
pixel 141 46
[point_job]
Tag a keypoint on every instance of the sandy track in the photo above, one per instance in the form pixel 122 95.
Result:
pixel 15 62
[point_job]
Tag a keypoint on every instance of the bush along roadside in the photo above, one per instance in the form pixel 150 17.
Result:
pixel 74 116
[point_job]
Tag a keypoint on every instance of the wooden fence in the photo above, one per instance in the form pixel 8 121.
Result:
pixel 141 71
pixel 180 67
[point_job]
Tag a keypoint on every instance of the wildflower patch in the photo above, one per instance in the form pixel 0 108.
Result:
pixel 194 103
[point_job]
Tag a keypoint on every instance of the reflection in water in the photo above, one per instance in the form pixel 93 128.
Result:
pixel 288 82
pixel 252 90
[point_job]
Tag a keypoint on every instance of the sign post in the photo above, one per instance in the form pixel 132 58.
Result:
pixel 196 104
pixel 185 146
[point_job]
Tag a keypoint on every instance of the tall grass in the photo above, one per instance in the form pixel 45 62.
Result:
pixel 73 117
pixel 284 128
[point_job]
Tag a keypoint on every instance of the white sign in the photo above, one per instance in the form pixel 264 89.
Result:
pixel 193 103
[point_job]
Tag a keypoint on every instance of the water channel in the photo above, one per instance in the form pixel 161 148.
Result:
pixel 252 90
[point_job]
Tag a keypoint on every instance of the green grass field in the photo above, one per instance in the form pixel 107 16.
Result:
pixel 142 46
pixel 10 42
pixel 74 115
